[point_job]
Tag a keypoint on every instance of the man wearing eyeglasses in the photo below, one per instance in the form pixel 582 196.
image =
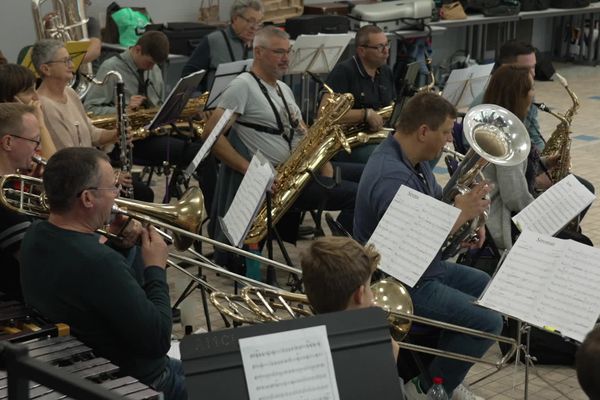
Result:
pixel 19 140
pixel 368 77
pixel 267 119
pixel 233 43
pixel 69 276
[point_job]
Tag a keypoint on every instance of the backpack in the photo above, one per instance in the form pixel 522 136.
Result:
pixel 534 5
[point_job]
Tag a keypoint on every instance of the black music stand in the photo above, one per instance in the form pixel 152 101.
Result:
pixel 360 347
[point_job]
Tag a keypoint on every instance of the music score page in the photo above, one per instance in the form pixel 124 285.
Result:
pixel 248 198
pixel 550 283
pixel 411 232
pixel 554 208
pixel 293 365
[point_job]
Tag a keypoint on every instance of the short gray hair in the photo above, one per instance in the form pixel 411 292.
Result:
pixel 239 6
pixel 43 51
pixel 261 39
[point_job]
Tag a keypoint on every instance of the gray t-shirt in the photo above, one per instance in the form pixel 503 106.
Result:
pixel 244 94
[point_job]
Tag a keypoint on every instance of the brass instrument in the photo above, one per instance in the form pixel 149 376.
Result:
pixel 322 141
pixel 138 120
pixel 496 136
pixel 67 22
pixel 359 134
pixel 559 143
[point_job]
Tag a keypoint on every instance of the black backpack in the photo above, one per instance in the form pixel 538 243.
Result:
pixel 569 3
pixel 534 5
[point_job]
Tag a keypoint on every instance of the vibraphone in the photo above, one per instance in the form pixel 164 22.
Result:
pixel 52 344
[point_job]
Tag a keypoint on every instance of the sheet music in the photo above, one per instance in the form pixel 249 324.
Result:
pixel 548 282
pixel 463 85
pixel 411 232
pixel 225 73
pixel 248 198
pixel 317 53
pixel 551 211
pixel 292 365
pixel 210 140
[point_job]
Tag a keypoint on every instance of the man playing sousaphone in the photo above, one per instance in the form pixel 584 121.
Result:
pixel 69 276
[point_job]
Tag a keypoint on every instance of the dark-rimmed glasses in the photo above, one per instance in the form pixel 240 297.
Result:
pixel 36 141
pixel 380 47
pixel 66 61
pixel 256 24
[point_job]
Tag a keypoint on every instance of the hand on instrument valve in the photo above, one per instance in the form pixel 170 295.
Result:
pixel 479 243
pixel 135 102
pixel 125 181
pixel 473 203
pixel 154 248
pixel 374 120
pixel 543 181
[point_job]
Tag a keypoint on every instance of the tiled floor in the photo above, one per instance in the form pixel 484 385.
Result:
pixel 507 383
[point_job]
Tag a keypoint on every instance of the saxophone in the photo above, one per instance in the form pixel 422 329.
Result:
pixel 140 119
pixel 560 140
pixel 322 141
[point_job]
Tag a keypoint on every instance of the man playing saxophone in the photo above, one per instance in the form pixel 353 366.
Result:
pixel 446 290
pixel 267 118
pixel 69 276
pixel 145 89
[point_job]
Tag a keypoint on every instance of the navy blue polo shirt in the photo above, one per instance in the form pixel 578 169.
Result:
pixel 387 170
pixel 350 76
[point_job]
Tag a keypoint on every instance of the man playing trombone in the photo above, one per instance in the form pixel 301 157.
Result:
pixel 19 140
pixel 446 291
pixel 69 276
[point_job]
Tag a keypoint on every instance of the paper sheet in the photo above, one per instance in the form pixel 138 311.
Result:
pixel 210 140
pixel 248 199
pixel 317 53
pixel 550 283
pixel 411 232
pixel 463 85
pixel 292 365
pixel 551 211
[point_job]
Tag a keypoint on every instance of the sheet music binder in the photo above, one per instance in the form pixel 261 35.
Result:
pixel 360 345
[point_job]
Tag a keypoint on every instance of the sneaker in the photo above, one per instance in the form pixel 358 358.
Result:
pixel 413 390
pixel 462 392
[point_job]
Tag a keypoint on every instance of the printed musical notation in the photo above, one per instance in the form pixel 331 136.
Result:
pixel 210 140
pixel 558 205
pixel 411 232
pixel 548 282
pixel 290 365
pixel 248 198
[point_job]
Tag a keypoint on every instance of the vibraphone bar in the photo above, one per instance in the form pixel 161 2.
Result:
pixel 46 343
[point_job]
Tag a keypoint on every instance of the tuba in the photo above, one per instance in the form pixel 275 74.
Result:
pixel 496 136
pixel 560 141
pixel 322 141
pixel 66 22
pixel 138 120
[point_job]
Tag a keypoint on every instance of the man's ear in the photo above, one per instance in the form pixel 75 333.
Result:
pixel 86 199
pixel 422 132
pixel 358 296
pixel 6 142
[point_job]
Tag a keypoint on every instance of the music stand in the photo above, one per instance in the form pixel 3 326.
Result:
pixel 406 89
pixel 176 100
pixel 463 85
pixel 315 54
pixel 213 364
pixel 225 73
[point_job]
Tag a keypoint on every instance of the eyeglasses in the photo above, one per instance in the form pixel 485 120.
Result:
pixel 380 47
pixel 279 52
pixel 66 61
pixel 114 189
pixel 36 141
pixel 256 24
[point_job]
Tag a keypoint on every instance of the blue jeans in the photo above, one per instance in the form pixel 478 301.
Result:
pixel 172 381
pixel 449 298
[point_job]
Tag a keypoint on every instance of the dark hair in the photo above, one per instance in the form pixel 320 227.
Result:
pixel 69 171
pixel 155 44
pixel 362 36
pixel 14 79
pixel 424 109
pixel 509 87
pixel 11 117
pixel 510 50
pixel 333 268
pixel 587 364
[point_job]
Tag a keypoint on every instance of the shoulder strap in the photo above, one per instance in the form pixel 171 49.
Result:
pixel 228 43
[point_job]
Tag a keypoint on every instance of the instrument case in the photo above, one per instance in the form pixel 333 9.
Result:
pixel 336 8
pixel 183 36
pixel 391 15
pixel 313 24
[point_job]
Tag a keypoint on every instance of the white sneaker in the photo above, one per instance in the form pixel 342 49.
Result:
pixel 413 391
pixel 462 392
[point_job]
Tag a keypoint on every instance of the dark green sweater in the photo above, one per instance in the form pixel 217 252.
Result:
pixel 69 277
